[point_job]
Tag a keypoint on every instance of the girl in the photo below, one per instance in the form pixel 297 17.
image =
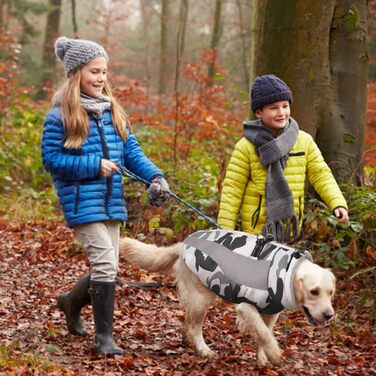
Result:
pixel 84 134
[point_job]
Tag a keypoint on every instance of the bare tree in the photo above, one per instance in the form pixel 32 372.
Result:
pixel 74 18
pixel 165 16
pixel 216 35
pixel 180 42
pixel 51 33
pixel 145 12
pixel 245 48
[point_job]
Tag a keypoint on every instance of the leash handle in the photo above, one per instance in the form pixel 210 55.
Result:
pixel 125 172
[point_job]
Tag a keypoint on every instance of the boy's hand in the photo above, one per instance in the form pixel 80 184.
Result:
pixel 108 168
pixel 341 214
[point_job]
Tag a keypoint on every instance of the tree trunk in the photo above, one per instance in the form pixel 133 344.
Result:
pixel 180 42
pixel 4 14
pixel 74 18
pixel 216 35
pixel 244 51
pixel 145 12
pixel 308 45
pixel 342 131
pixel 164 47
pixel 51 33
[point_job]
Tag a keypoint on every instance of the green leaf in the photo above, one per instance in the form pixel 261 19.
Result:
pixel 357 227
pixel 52 348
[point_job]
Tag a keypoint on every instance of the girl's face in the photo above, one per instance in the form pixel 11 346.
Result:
pixel 93 77
pixel 274 115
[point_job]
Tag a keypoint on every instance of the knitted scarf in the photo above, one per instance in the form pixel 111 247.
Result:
pixel 273 153
pixel 96 106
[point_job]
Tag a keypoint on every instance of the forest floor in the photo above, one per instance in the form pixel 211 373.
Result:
pixel 38 261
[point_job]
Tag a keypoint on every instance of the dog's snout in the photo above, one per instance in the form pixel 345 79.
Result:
pixel 328 315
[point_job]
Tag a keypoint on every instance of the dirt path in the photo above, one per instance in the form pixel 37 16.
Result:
pixel 39 261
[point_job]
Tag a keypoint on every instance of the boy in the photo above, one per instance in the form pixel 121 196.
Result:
pixel 266 175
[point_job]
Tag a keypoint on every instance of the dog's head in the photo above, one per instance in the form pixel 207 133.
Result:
pixel 314 289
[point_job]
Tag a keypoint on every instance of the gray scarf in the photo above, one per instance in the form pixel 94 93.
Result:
pixel 273 153
pixel 95 106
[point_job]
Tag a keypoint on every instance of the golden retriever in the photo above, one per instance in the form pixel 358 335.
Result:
pixel 312 285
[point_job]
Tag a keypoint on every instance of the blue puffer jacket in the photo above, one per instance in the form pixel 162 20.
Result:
pixel 84 195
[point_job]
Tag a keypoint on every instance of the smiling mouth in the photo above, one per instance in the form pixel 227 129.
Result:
pixel 310 318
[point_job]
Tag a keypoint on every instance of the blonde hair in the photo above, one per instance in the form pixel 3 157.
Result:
pixel 75 118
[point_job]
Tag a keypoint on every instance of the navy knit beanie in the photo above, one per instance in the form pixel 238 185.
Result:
pixel 268 89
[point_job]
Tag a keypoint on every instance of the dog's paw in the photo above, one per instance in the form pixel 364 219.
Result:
pixel 270 348
pixel 206 353
pixel 262 359
pixel 274 355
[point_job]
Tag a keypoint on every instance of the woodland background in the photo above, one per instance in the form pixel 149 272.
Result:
pixel 182 70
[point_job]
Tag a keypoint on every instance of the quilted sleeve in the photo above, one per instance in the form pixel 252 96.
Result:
pixel 234 185
pixel 136 161
pixel 65 164
pixel 321 177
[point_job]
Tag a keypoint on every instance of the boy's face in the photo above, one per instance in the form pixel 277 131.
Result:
pixel 93 77
pixel 274 115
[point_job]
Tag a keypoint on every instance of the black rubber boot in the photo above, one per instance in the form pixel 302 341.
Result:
pixel 71 304
pixel 102 299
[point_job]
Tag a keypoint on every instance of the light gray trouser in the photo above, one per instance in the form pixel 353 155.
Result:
pixel 101 241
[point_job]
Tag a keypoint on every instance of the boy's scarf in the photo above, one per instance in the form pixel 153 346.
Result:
pixel 273 153
pixel 95 106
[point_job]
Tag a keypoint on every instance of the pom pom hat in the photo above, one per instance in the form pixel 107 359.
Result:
pixel 268 89
pixel 75 53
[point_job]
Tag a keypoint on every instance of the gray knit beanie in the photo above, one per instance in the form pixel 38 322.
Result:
pixel 268 89
pixel 75 53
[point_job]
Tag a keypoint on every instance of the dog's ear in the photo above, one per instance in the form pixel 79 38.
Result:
pixel 298 289
pixel 334 281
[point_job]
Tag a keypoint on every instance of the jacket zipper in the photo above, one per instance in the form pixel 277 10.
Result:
pixel 106 156
pixel 77 199
pixel 256 214
pixel 300 208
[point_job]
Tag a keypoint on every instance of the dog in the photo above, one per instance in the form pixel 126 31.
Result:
pixel 262 277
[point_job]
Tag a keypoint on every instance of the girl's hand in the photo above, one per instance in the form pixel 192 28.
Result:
pixel 158 191
pixel 108 168
pixel 341 214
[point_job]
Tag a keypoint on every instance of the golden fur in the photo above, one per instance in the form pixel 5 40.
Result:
pixel 314 290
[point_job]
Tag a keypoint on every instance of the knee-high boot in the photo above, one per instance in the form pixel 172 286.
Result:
pixel 102 298
pixel 72 302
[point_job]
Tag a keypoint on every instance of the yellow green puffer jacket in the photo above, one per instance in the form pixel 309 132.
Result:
pixel 244 185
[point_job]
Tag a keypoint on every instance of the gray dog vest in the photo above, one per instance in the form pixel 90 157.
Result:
pixel 232 265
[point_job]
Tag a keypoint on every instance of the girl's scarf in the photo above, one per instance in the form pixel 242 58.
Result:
pixel 273 153
pixel 95 105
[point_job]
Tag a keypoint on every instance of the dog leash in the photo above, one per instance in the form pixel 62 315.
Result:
pixel 125 172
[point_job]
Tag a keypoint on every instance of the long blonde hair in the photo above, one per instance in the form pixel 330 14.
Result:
pixel 75 118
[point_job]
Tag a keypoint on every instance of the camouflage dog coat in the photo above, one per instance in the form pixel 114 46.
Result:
pixel 234 266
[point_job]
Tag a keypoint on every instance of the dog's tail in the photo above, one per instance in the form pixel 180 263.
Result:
pixel 149 256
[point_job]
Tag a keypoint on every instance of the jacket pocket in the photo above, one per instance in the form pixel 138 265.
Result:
pixel 77 198
pixel 297 154
pixel 256 214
